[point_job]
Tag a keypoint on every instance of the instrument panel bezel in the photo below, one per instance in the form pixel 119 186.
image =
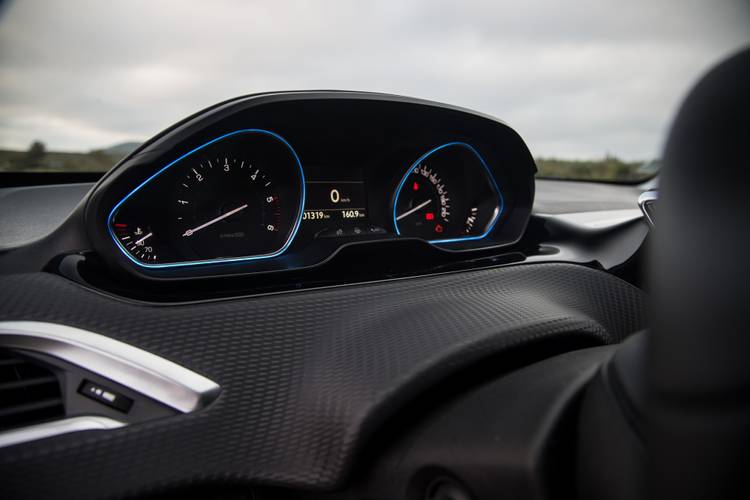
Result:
pixel 379 121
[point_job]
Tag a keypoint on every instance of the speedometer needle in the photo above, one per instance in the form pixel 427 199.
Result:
pixel 190 232
pixel 409 212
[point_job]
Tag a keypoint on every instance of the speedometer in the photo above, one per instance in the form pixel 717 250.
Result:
pixel 449 194
pixel 424 205
pixel 237 197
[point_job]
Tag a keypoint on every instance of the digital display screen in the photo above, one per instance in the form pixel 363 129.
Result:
pixel 335 201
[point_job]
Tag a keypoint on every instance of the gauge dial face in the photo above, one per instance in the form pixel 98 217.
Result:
pixel 447 195
pixel 139 241
pixel 423 209
pixel 228 207
pixel 238 197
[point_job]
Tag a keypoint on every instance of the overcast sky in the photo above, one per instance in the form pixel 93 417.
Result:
pixel 575 78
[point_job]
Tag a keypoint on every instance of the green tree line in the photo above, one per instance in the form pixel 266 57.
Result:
pixel 38 159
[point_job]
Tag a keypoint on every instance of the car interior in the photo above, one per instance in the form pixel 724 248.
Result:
pixel 330 295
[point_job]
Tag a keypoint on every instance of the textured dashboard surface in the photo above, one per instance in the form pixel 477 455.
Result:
pixel 31 212
pixel 306 376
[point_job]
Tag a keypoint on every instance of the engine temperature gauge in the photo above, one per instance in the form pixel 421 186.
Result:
pixel 139 241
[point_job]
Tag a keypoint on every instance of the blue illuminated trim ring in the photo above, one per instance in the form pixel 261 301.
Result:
pixel 288 242
pixel 500 207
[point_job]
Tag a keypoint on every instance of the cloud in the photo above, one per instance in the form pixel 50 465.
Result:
pixel 576 79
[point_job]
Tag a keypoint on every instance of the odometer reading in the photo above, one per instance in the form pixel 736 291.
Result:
pixel 335 201
pixel 316 215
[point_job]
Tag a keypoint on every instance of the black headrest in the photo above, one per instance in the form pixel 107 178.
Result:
pixel 699 348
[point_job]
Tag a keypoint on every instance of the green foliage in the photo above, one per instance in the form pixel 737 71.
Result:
pixel 609 169
pixel 23 161
pixel 37 159
pixel 35 154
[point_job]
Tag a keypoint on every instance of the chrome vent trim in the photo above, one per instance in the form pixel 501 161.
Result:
pixel 600 219
pixel 141 371
pixel 647 202
pixel 55 428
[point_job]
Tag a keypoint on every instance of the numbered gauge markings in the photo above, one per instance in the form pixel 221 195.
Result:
pixel 238 197
pixel 449 194
pixel 227 206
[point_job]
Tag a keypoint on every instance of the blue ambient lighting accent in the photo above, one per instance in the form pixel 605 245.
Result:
pixel 289 240
pixel 490 226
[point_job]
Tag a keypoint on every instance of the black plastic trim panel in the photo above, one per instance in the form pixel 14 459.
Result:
pixel 390 132
pixel 307 377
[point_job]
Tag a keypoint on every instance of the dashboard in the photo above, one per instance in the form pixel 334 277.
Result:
pixel 285 181
pixel 277 278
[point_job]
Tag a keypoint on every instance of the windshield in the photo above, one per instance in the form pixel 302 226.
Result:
pixel 590 85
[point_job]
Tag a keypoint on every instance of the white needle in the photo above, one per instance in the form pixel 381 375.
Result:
pixel 144 238
pixel 189 232
pixel 409 212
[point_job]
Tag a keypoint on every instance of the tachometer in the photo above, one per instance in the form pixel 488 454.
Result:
pixel 447 195
pixel 228 207
pixel 237 197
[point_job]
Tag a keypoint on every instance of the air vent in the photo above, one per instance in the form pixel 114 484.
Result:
pixel 29 392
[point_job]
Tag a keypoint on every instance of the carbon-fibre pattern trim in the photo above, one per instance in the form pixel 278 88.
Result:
pixel 306 376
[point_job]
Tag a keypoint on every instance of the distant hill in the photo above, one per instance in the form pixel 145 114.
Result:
pixel 123 149
pixel 97 160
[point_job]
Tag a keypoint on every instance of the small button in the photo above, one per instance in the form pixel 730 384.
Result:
pixel 105 395
pixel 351 231
pixel 331 233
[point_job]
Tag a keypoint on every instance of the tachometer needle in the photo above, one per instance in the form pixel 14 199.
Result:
pixel 190 232
pixel 409 212
pixel 144 238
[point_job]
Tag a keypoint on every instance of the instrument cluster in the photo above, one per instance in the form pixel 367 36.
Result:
pixel 238 197
pixel 283 181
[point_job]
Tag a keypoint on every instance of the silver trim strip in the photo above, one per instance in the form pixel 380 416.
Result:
pixel 645 198
pixel 49 429
pixel 141 371
pixel 601 219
